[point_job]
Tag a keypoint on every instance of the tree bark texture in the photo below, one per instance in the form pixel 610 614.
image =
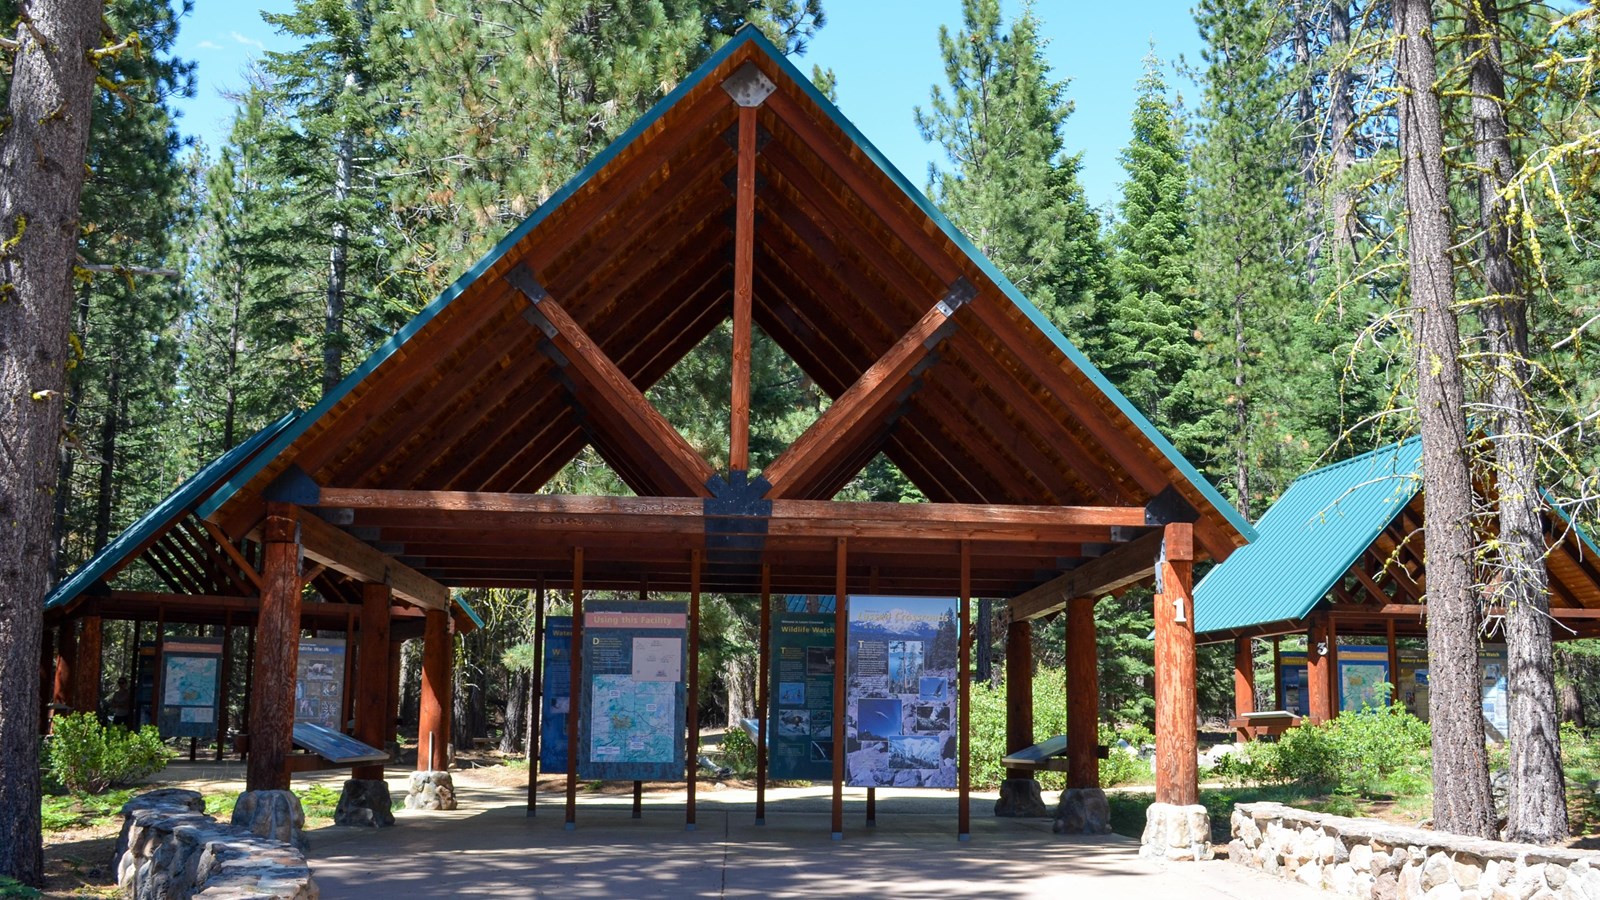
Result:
pixel 42 151
pixel 1537 801
pixel 1461 801
pixel 1341 124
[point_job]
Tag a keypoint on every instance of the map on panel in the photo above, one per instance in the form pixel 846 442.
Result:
pixel 632 721
pixel 190 681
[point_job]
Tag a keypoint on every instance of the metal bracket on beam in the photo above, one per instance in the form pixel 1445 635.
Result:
pixel 748 85
pixel 1167 507
pixel 336 515
pixel 293 485
pixel 522 278
pixel 960 294
pixel 731 137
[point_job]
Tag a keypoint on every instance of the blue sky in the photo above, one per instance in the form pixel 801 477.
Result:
pixel 885 53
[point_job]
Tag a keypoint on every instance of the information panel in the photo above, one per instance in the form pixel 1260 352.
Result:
pixel 191 678
pixel 1363 677
pixel 631 721
pixel 556 693
pixel 800 730
pixel 900 724
pixel 319 683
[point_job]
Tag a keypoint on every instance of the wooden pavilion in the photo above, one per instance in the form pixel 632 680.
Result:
pixel 744 194
pixel 1341 554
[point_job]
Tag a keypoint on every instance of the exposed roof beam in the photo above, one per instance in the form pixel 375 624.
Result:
pixel 1118 569
pixel 341 552
pixel 859 410
pixel 682 471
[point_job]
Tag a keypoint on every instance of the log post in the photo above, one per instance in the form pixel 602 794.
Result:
pixel 1083 696
pixel 1394 665
pixel 1319 705
pixel 277 651
pixel 1019 691
pixel 964 712
pixel 1177 768
pixel 841 650
pixel 225 682
pixel 433 720
pixel 575 680
pixel 86 677
pixel 763 685
pixel 372 716
pixel 692 704
pixel 66 663
pixel 1244 684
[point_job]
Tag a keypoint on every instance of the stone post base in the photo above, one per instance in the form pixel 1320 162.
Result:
pixel 431 790
pixel 274 815
pixel 1082 811
pixel 1176 833
pixel 1020 799
pixel 364 801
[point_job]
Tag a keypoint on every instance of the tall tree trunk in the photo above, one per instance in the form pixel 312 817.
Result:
pixel 1341 121
pixel 338 253
pixel 69 459
pixel 1241 409
pixel 516 705
pixel 1537 807
pixel 740 674
pixel 1306 112
pixel 42 153
pixel 1461 800
pixel 107 451
pixel 231 379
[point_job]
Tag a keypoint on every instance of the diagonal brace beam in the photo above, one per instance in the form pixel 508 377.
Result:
pixel 806 465
pixel 677 469
pixel 1129 564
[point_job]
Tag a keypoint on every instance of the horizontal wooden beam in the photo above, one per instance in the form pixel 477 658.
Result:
pixel 343 553
pixel 556 513
pixel 1418 611
pixel 1118 569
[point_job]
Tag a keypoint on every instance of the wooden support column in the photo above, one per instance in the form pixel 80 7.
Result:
pixel 1319 704
pixel 1019 690
pixel 277 651
pixel 66 663
pixel 964 764
pixel 1394 664
pixel 576 680
pixel 692 706
pixel 743 279
pixel 433 715
pixel 1334 700
pixel 1177 768
pixel 226 682
pixel 763 685
pixel 47 677
pixel 1277 673
pixel 536 702
pixel 86 680
pixel 841 650
pixel 1083 696
pixel 1244 684
pixel 373 718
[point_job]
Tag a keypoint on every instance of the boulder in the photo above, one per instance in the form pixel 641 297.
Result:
pixel 365 802
pixel 1020 799
pixel 431 790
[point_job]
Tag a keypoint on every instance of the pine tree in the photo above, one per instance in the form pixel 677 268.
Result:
pixel 1247 270
pixel 1012 187
pixel 1150 336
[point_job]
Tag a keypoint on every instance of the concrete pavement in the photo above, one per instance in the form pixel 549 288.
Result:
pixel 490 847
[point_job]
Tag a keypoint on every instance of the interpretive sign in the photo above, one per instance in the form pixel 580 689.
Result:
pixel 191 678
pixel 800 727
pixel 335 747
pixel 557 694
pixel 900 710
pixel 631 719
pixel 319 683
pixel 1363 677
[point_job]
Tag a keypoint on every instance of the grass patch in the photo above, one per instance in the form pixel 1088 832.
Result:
pixel 318 801
pixel 60 812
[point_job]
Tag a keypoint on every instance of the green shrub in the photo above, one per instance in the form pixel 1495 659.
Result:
pixel 739 752
pixel 1365 753
pixel 1120 767
pixel 318 801
pixel 989 727
pixel 12 889
pixel 89 758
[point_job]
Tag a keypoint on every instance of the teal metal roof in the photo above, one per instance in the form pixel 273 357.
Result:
pixel 162 515
pixel 1309 539
pixel 745 35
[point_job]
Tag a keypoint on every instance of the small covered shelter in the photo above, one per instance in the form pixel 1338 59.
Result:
pixel 744 195
pixel 1342 554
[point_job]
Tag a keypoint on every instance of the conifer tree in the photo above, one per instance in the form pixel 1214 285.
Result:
pixel 1012 187
pixel 1150 345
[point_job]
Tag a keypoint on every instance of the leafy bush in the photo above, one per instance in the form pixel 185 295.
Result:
pixel 1365 753
pixel 739 752
pixel 89 758
pixel 1122 767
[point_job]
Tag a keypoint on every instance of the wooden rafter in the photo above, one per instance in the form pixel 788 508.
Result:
pixel 331 547
pixel 861 408
pixel 678 469
pixel 743 279
pixel 1118 569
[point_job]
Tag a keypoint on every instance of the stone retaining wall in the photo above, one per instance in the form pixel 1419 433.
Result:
pixel 171 850
pixel 1370 859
